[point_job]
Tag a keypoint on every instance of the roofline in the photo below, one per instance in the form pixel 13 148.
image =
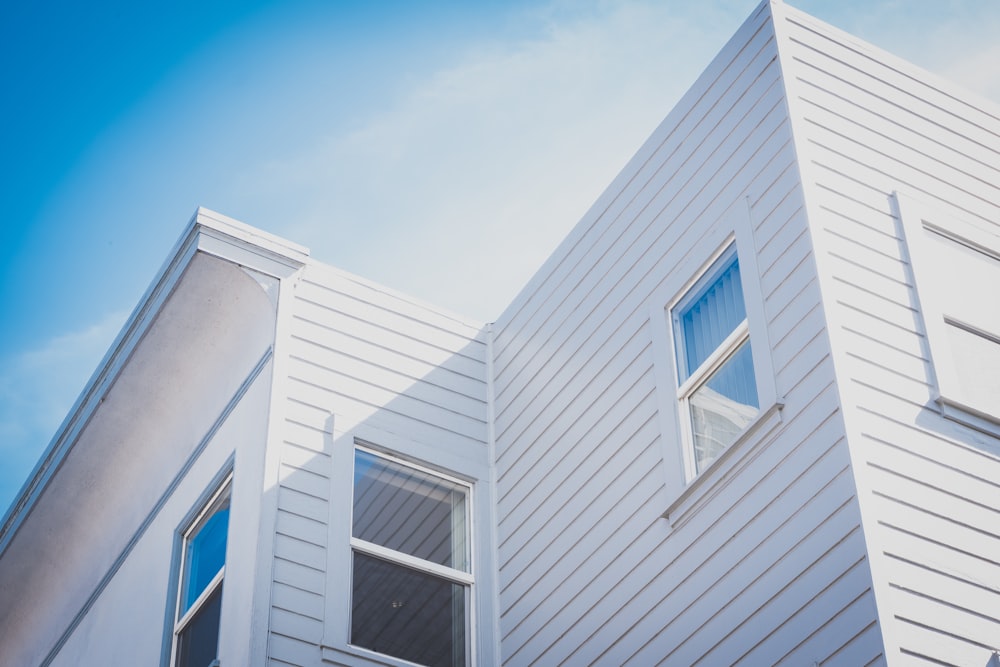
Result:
pixel 595 215
pixel 208 232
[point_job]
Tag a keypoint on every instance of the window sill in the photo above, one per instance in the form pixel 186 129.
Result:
pixel 353 655
pixel 961 413
pixel 716 478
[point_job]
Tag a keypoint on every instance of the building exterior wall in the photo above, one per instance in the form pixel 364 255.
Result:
pixel 873 131
pixel 89 578
pixel 364 364
pixel 131 622
pixel 762 558
pixel 854 523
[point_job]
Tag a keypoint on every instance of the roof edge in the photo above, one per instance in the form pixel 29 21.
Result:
pixel 208 232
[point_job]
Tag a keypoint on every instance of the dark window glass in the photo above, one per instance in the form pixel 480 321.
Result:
pixel 407 614
pixel 198 642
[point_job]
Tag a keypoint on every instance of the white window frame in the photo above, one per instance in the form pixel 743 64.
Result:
pixel 696 378
pixel 182 619
pixel 686 492
pixel 918 220
pixel 456 576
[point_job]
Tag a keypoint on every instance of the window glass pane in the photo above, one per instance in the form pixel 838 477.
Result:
pixel 198 642
pixel 410 511
pixel 723 406
pixel 712 316
pixel 407 614
pixel 205 552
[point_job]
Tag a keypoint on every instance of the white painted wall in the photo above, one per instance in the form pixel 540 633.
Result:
pixel 206 341
pixel 869 125
pixel 364 362
pixel 763 559
pixel 126 624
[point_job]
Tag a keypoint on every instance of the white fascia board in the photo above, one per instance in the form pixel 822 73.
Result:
pixel 208 232
pixel 230 239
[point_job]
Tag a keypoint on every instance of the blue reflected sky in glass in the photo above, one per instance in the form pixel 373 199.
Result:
pixel 712 316
pixel 206 554
pixel 735 379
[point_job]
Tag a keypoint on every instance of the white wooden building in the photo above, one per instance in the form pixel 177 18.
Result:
pixel 745 414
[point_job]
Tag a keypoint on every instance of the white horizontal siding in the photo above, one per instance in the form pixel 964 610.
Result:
pixel 582 257
pixel 356 355
pixel 610 301
pixel 773 566
pixel 869 125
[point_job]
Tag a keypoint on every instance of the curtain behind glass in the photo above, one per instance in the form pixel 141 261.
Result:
pixel 712 317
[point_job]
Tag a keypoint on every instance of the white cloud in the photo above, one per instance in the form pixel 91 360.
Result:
pixel 459 191
pixel 37 389
pixel 455 188
pixel 456 183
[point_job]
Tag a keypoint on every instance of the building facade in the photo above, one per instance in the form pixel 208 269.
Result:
pixel 747 413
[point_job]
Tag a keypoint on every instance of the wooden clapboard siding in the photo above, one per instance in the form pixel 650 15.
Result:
pixel 355 354
pixel 770 567
pixel 869 125
pixel 580 262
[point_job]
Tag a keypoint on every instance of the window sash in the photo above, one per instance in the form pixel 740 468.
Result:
pixel 711 318
pixel 409 614
pixel 461 541
pixel 715 360
pixel 199 602
pixel 735 415
pixel 412 562
pixel 197 643
pixel 711 309
pixel 438 488
pixel 211 511
pixel 718 293
pixel 187 611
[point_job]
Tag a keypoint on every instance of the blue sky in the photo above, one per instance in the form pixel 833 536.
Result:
pixel 409 142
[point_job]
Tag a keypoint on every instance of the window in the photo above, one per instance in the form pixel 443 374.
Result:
pixel 717 388
pixel 956 266
pixel 412 573
pixel 199 599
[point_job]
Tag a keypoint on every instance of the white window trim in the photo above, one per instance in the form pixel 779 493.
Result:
pixel 336 647
pixel 686 493
pixel 917 218
pixel 453 575
pixel 196 606
pixel 697 377
pixel 414 562
pixel 182 620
